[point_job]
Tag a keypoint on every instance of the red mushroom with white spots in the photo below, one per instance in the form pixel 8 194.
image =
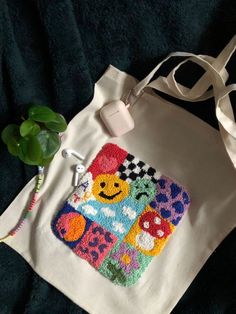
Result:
pixel 153 227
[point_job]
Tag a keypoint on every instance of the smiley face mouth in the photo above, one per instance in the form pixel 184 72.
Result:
pixel 108 197
pixel 139 195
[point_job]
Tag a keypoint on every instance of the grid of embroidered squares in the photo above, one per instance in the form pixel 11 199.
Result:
pixel 121 215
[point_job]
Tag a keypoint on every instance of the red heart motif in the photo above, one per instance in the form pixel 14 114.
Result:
pixel 107 164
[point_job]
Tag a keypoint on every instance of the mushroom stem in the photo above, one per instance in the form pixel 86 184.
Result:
pixel 145 241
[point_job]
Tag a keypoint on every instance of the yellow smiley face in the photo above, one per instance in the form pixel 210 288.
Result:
pixel 108 188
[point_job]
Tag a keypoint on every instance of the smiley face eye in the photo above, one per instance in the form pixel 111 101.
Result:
pixel 102 184
pixel 116 184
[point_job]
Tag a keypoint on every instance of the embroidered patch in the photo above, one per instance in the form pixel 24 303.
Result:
pixel 121 215
pixel 83 192
pixel 133 168
pixel 70 226
pixel 118 217
pixel 108 160
pixel 171 201
pixel 124 265
pixel 108 188
pixel 150 232
pixel 95 245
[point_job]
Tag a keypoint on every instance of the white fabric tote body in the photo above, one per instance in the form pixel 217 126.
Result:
pixel 174 142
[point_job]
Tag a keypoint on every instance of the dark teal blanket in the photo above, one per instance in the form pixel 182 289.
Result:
pixel 52 52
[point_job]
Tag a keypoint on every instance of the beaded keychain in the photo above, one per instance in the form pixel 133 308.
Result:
pixel 79 169
pixel 39 182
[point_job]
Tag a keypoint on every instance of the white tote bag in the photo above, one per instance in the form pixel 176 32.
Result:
pixel 175 143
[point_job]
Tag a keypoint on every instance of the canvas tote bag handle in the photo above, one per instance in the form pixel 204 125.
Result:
pixel 215 75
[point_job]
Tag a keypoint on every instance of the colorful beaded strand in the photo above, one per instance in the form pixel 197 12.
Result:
pixel 39 182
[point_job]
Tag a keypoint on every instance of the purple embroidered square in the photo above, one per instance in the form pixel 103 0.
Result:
pixel 171 200
pixel 121 215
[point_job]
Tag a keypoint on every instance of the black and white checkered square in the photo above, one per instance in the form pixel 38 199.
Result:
pixel 133 168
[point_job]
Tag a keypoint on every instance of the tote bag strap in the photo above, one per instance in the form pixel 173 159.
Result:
pixel 215 75
pixel 218 63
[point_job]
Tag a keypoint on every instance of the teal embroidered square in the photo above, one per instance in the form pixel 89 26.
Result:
pixel 121 215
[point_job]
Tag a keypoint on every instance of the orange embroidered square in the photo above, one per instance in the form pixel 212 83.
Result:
pixel 149 233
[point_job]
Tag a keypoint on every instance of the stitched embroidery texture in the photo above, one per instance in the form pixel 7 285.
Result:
pixel 121 215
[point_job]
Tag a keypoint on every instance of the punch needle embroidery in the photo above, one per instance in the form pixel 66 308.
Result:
pixel 121 215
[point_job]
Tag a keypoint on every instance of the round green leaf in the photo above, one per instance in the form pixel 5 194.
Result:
pixel 26 160
pixel 30 151
pixel 49 142
pixel 13 147
pixel 58 124
pixel 34 151
pixel 10 131
pixel 46 162
pixel 29 127
pixel 23 152
pixel 41 113
pixel 11 137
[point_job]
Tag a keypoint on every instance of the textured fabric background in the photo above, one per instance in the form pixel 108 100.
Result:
pixel 52 52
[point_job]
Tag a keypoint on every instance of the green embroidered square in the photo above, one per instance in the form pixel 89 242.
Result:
pixel 125 264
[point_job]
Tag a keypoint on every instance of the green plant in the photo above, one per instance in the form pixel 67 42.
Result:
pixel 36 140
